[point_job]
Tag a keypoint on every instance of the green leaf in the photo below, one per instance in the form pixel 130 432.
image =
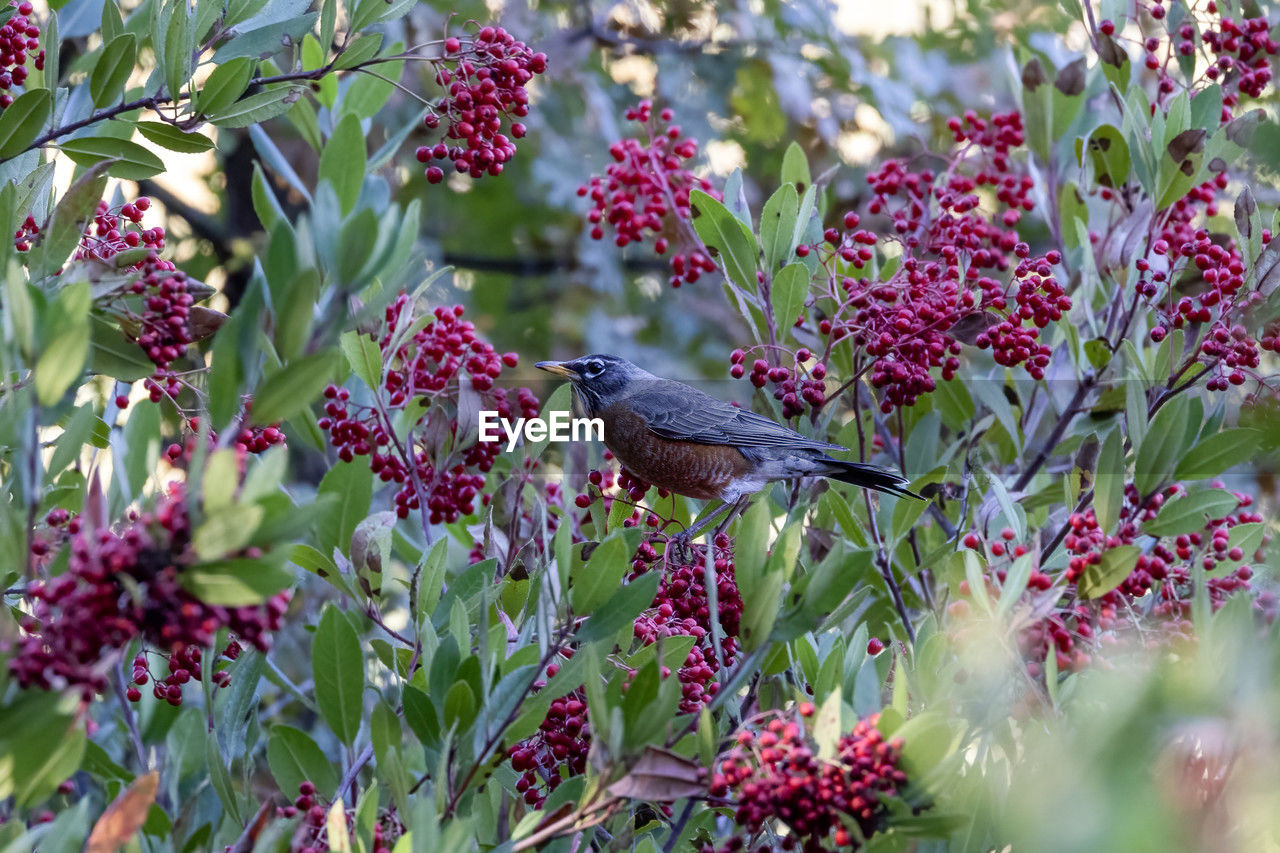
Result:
pixel 295 758
pixel 268 39
pixel 778 224
pixel 342 162
pixel 237 582
pixel 725 233
pixel 226 531
pixel 338 669
pixel 227 83
pixel 364 357
pixel 292 388
pixel 129 159
pixel 348 488
pixel 593 582
pixel 1218 452
pixel 1191 512
pixel 1108 482
pixel 1109 154
pixel 22 121
pixel 62 360
pixel 168 136
pixel 1162 446
pixel 788 292
pixel 177 46
pixel 1107 574
pixel 112 70
pixel 361 49
pixel 795 168
pixel 258 108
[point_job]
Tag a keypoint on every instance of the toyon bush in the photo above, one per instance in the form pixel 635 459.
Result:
pixel 268 586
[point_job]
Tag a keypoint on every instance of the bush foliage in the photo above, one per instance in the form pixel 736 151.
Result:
pixel 265 587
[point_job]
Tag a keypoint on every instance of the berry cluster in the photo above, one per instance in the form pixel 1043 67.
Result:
pixel 558 750
pixel 629 488
pixel 776 775
pixel 681 608
pixel 313 837
pixel 163 326
pixel 123 585
pixel 791 385
pixel 957 271
pixel 485 76
pixel 1232 53
pixel 430 366
pixel 645 192
pixel 115 230
pixel 1158 588
pixel 19 39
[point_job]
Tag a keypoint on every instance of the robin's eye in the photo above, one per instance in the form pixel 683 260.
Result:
pixel 594 369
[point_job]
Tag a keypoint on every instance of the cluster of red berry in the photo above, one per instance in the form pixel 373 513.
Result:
pixel 558 750
pixel 312 835
pixel 1235 51
pixel 122 585
pixel 485 76
pixel 115 230
pixel 682 608
pixel 19 39
pixel 164 330
pixel 776 775
pixel 428 365
pixel 955 259
pixel 791 385
pixel 645 192
pixel 1158 587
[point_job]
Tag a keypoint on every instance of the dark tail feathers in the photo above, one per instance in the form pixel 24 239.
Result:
pixel 869 477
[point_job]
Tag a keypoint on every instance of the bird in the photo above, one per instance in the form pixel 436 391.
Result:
pixel 678 438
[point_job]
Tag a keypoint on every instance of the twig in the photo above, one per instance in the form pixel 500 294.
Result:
pixel 130 720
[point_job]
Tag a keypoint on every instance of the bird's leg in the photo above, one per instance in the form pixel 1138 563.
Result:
pixel 680 542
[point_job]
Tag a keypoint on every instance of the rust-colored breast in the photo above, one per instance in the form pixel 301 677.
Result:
pixel 701 471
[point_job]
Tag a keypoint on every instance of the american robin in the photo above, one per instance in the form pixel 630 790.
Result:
pixel 680 439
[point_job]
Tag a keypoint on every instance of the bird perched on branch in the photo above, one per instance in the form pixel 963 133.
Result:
pixel 680 439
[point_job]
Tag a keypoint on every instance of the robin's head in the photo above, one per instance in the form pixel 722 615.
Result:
pixel 597 379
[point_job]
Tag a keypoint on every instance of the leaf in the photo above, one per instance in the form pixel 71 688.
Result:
pixel 361 49
pixel 1162 446
pixel 661 776
pixel 292 388
pixel 1109 154
pixel 62 360
pixel 295 758
pixel 338 669
pixel 168 136
pixel 227 530
pixel 258 108
pixel 1191 512
pixel 593 582
pixel 22 121
pixel 1107 574
pixel 342 162
pixel 112 70
pixel 238 582
pixel 1109 481
pixel 726 234
pixel 266 40
pixel 227 83
pixel 129 160
pixel 1218 452
pixel 788 291
pixel 125 816
pixel 795 168
pixel 348 488
pixel 777 224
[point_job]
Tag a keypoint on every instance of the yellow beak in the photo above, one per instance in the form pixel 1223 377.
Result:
pixel 559 368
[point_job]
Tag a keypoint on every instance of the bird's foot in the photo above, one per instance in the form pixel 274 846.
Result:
pixel 679 546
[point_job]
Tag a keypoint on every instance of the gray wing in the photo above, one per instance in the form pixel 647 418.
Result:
pixel 679 412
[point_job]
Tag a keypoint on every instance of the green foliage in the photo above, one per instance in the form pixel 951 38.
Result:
pixel 1079 611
